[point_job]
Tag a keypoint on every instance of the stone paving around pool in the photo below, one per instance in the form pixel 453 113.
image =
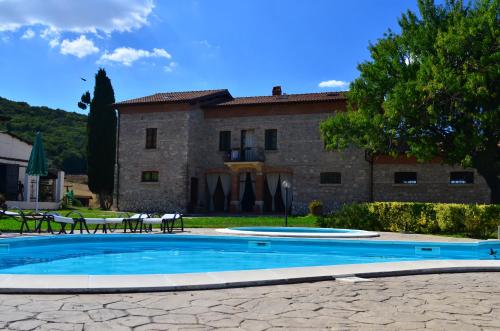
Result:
pixel 437 302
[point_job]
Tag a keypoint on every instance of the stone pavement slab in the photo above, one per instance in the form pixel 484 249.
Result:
pixel 436 302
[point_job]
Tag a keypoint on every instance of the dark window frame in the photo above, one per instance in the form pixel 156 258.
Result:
pixel 224 141
pixel 151 138
pixel 271 139
pixel 330 178
pixel 150 176
pixel 461 177
pixel 405 178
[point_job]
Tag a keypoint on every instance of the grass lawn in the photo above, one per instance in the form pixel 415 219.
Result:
pixel 12 225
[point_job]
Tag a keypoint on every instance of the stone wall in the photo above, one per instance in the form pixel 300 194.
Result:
pixel 169 159
pixel 188 147
pixel 300 149
pixel 433 184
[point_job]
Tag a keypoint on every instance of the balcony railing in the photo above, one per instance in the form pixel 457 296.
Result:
pixel 249 154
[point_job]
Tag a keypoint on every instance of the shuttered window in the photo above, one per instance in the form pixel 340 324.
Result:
pixel 462 177
pixel 151 138
pixel 225 141
pixel 149 176
pixel 271 143
pixel 405 178
pixel 330 178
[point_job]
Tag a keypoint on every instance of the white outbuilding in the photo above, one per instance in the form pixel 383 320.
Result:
pixel 19 188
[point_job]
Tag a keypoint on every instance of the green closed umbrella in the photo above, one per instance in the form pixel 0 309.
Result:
pixel 37 165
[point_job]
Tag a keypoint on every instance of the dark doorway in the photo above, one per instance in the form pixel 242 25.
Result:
pixel 219 197
pixel 278 200
pixel 193 200
pixel 9 177
pixel 248 200
pixel 268 207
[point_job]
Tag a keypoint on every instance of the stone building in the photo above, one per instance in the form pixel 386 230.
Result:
pixel 204 151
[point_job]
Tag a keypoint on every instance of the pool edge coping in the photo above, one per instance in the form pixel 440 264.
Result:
pixel 44 284
pixel 319 235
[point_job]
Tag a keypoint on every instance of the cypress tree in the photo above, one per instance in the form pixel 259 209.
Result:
pixel 101 134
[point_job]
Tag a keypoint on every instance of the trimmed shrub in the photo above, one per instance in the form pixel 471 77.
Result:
pixel 478 221
pixel 450 217
pixel 354 216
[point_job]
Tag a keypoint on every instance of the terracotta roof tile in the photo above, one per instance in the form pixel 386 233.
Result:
pixel 285 98
pixel 173 97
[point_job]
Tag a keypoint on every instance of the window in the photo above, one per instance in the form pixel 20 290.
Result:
pixel 149 176
pixel 405 178
pixel 151 138
pixel 330 178
pixel 225 141
pixel 462 177
pixel 271 143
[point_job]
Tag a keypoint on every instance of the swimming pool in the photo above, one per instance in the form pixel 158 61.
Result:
pixel 156 254
pixel 299 232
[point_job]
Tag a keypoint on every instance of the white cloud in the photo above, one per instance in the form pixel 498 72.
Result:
pixel 79 47
pixel 170 67
pixel 76 15
pixel 127 55
pixel 28 34
pixel 333 83
pixel 54 42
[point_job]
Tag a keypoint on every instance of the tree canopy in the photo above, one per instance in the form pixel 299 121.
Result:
pixel 63 132
pixel 101 136
pixel 430 90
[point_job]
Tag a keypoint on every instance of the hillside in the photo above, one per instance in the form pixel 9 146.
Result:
pixel 64 133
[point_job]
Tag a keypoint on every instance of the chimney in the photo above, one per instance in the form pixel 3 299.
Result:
pixel 277 90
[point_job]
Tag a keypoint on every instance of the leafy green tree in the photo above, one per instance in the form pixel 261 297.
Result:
pixel 63 132
pixel 101 136
pixel 431 90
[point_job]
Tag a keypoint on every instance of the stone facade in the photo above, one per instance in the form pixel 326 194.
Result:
pixel 170 159
pixel 187 152
pixel 433 184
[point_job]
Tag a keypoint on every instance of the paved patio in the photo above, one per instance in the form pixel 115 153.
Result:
pixel 438 302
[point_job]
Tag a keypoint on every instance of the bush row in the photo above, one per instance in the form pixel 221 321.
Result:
pixel 477 221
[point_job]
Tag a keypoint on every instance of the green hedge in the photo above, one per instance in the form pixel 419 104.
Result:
pixel 477 221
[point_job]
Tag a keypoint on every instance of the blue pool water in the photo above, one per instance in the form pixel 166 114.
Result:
pixel 165 254
pixel 292 229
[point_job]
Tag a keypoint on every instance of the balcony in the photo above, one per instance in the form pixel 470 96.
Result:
pixel 249 154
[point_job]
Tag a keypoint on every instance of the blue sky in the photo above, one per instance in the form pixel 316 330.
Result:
pixel 146 46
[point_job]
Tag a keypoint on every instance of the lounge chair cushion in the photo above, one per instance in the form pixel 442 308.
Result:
pixel 152 220
pixel 62 219
pixel 170 216
pixel 94 220
pixel 136 216
pixel 10 213
pixel 113 220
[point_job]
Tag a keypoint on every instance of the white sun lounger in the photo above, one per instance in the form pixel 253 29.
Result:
pixel 129 221
pixel 63 222
pixel 164 221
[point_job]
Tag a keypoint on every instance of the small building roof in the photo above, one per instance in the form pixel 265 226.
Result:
pixel 13 135
pixel 176 97
pixel 284 98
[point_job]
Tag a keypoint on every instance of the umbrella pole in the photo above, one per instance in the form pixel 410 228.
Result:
pixel 37 190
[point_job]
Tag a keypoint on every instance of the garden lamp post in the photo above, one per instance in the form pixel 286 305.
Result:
pixel 286 184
